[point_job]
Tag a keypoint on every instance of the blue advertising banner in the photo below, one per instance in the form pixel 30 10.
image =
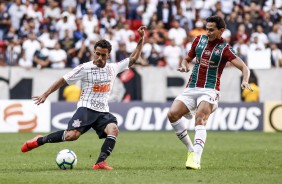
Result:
pixel 139 116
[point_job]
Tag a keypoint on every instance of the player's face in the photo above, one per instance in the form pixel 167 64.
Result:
pixel 212 31
pixel 100 57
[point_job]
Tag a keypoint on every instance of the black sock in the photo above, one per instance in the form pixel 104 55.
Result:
pixel 107 148
pixel 51 138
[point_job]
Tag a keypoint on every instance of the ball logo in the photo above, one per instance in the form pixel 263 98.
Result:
pixel 15 112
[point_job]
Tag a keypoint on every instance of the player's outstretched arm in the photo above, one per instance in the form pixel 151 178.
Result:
pixel 184 66
pixel 238 63
pixel 41 99
pixel 136 53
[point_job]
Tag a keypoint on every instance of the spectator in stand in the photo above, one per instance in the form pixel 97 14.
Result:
pixel 241 48
pixel 173 55
pixel 160 34
pixel 154 58
pixel 276 55
pixel 110 36
pixel 248 24
pixel 255 45
pixel 89 22
pixel 83 54
pixel 232 23
pixel 262 38
pixel 24 61
pixel 57 57
pixel 266 23
pixel 124 33
pixel 5 20
pixel 177 33
pixel 254 10
pixel 63 24
pixel 131 44
pixel 241 34
pixel 146 9
pixel 68 45
pixel 149 46
pixel 66 4
pixel 107 21
pixel 275 36
pixel 226 35
pixel 40 59
pixel 153 22
pixel 30 46
pixel 132 9
pixel 198 30
pixel 16 11
pixel 52 11
pixel 49 37
pixel 121 52
pixel 189 11
pixel 166 10
pixel 13 52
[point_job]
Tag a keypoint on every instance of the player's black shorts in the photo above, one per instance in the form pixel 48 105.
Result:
pixel 85 118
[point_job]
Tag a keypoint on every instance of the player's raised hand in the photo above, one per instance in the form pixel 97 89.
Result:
pixel 39 99
pixel 141 31
pixel 246 85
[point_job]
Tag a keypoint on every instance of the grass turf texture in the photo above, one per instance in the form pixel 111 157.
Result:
pixel 147 157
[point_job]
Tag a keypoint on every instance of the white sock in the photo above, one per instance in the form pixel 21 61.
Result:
pixel 200 139
pixel 182 134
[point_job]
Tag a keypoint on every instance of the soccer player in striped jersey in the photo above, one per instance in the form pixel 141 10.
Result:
pixel 201 95
pixel 97 78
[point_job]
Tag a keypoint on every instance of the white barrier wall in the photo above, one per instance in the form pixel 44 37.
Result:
pixel 154 82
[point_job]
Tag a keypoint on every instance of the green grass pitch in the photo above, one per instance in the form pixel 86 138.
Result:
pixel 147 157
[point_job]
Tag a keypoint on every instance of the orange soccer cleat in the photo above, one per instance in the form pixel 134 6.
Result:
pixel 30 144
pixel 101 165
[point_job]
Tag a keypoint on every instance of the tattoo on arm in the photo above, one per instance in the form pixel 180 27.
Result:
pixel 131 61
pixel 139 42
pixel 136 53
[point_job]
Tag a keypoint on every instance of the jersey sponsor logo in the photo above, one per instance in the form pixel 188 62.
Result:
pixel 204 62
pixel 101 88
pixel 97 104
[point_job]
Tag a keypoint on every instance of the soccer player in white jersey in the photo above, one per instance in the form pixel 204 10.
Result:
pixel 97 78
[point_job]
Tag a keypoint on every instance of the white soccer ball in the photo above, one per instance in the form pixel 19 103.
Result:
pixel 66 159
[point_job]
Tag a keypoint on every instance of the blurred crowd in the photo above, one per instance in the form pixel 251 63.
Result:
pixel 62 33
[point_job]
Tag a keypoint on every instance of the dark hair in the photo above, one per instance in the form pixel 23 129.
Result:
pixel 217 20
pixel 103 44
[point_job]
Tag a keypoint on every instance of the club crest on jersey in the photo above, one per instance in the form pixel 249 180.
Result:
pixel 76 123
pixel 217 51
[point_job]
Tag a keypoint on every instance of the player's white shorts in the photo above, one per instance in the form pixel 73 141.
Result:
pixel 192 97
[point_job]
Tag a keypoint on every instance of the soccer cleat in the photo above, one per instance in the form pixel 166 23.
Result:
pixel 191 163
pixel 101 165
pixel 30 144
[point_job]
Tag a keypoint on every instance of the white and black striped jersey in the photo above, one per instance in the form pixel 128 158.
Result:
pixel 96 83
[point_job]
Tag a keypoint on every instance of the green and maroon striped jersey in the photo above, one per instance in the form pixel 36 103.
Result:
pixel 211 58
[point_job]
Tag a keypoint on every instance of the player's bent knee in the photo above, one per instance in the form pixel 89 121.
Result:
pixel 172 117
pixel 72 135
pixel 112 129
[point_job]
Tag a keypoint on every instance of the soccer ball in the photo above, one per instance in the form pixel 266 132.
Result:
pixel 66 159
